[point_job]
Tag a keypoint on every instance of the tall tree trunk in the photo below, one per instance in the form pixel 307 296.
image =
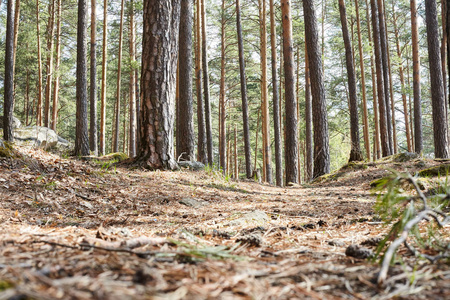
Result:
pixel 202 154
pixel 48 84
pixel 119 80
pixel 402 81
pixel 291 140
pixel 104 74
pixel 16 31
pixel 27 97
pixel 437 86
pixel 8 104
pixel 355 153
pixel 185 144
pixel 81 134
pixel 222 115
pixel 363 83
pixel 264 92
pixel 391 93
pixel 385 71
pixel 376 142
pixel 444 9
pixel 276 106
pixel 236 169
pixel 209 141
pixel 93 81
pixel 308 120
pixel 383 120
pixel 132 133
pixel 418 135
pixel 248 163
pixel 39 91
pixel 159 67
pixel 320 120
pixel 57 65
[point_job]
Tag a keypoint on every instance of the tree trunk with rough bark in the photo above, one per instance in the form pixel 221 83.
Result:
pixel 320 120
pixel 132 103
pixel 93 81
pixel 276 99
pixel 158 84
pixel 81 134
pixel 418 131
pixel 223 114
pixel 248 163
pixel 8 103
pixel 39 91
pixel 49 76
pixel 291 139
pixel 116 134
pixel 185 144
pixel 437 86
pixel 104 75
pixel 57 65
pixel 355 152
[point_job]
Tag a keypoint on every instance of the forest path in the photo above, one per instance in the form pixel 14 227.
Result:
pixel 74 230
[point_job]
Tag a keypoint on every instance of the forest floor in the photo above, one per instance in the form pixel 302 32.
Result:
pixel 80 230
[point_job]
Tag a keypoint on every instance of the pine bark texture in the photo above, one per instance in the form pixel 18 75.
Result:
pixel 309 147
pixel 48 86
pixel 223 113
pixel 158 84
pixel 81 134
pixel 248 163
pixel 437 86
pixel 8 104
pixel 39 91
pixel 418 131
pixel 119 81
pixel 383 119
pixel 319 109
pixel 133 123
pixel 102 149
pixel 185 144
pixel 16 31
pixel 355 152
pixel 93 81
pixel 276 99
pixel 291 139
pixel 209 141
pixel 264 93
pixel 57 65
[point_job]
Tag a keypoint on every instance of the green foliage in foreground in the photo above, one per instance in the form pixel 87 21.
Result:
pixel 404 206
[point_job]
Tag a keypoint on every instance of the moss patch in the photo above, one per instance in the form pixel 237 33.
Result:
pixel 441 170
pixel 7 150
pixel 118 157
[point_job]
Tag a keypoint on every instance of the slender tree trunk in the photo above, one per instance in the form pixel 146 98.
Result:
pixel 236 169
pixel 402 81
pixel 202 154
pixel 39 103
pixel 384 57
pixel 16 31
pixel 308 120
pixel 391 93
pixel 185 144
pixel 264 92
pixel 418 135
pixel 8 104
pixel 104 74
pixel 119 80
pixel 383 120
pixel 27 97
pixel 209 141
pixel 57 65
pixel 248 164
pixel 291 140
pixel 81 138
pixel 93 81
pixel 223 133
pixel 132 133
pixel 276 106
pixel 363 83
pixel 437 86
pixel 48 86
pixel 444 48
pixel 376 142
pixel 159 67
pixel 320 121
pixel 355 153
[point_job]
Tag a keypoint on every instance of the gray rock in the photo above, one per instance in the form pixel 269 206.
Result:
pixel 256 217
pixel 192 202
pixel 192 165
pixel 16 123
pixel 41 137
pixel 336 243
pixel 358 252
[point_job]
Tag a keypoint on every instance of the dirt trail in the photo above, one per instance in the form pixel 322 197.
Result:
pixel 74 230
